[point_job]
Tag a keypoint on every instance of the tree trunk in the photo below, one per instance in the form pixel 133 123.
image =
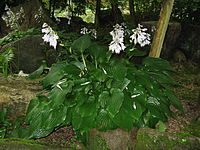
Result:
pixel 132 13
pixel 50 3
pixel 116 14
pixel 162 25
pixel 97 13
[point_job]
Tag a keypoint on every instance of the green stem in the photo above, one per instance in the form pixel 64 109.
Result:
pixel 84 61
pixel 95 63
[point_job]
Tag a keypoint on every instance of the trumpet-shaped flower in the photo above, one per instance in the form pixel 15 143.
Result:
pixel 12 19
pixel 84 31
pixel 117 44
pixel 50 35
pixel 92 32
pixel 140 36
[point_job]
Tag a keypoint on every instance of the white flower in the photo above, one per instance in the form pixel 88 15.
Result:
pixel 13 20
pixel 117 44
pixel 84 31
pixel 93 32
pixel 140 36
pixel 50 35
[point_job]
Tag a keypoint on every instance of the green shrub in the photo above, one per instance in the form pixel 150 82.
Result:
pixel 101 92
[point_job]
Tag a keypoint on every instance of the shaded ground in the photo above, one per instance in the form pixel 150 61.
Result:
pixel 188 76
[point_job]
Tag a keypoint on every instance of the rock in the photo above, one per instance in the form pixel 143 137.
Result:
pixel 16 94
pixel 179 57
pixel 150 139
pixel 171 37
pixel 117 139
pixel 30 20
pixel 29 53
pixel 189 42
pixel 21 144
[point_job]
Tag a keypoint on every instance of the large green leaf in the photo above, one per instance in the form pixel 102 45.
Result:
pixel 98 52
pixel 99 75
pixel 104 122
pixel 82 43
pixel 174 101
pixel 162 78
pixel 39 71
pixel 55 118
pixel 34 107
pixel 143 79
pixel 57 72
pixel 156 64
pixel 126 116
pixel 84 118
pixel 156 113
pixel 115 102
pixel 104 97
pixel 86 109
pixel 138 109
pixel 121 84
pixel 116 69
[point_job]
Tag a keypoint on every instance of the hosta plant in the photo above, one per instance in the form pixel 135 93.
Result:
pixel 97 90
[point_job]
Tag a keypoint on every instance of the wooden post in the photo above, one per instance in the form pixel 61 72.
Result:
pixel 162 25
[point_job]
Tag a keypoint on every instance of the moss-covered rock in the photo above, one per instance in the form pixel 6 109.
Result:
pixel 150 139
pixel 117 139
pixel 21 144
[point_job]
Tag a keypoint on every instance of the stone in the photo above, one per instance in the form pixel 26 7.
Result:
pixel 31 9
pixel 179 57
pixel 151 139
pixel 188 42
pixel 171 37
pixel 29 53
pixel 117 139
pixel 21 144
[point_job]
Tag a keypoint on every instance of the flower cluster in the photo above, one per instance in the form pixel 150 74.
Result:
pixel 117 44
pixel 50 35
pixel 92 32
pixel 13 20
pixel 39 15
pixel 140 36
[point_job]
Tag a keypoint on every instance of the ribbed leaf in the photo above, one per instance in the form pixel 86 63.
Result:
pixel 99 75
pixel 115 102
pixel 104 122
pixel 120 84
pixel 138 109
pixel 156 64
pixel 125 118
pixel 98 52
pixel 174 101
pixel 56 73
pixel 82 43
pixel 104 97
pixel 86 109
pixel 117 70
